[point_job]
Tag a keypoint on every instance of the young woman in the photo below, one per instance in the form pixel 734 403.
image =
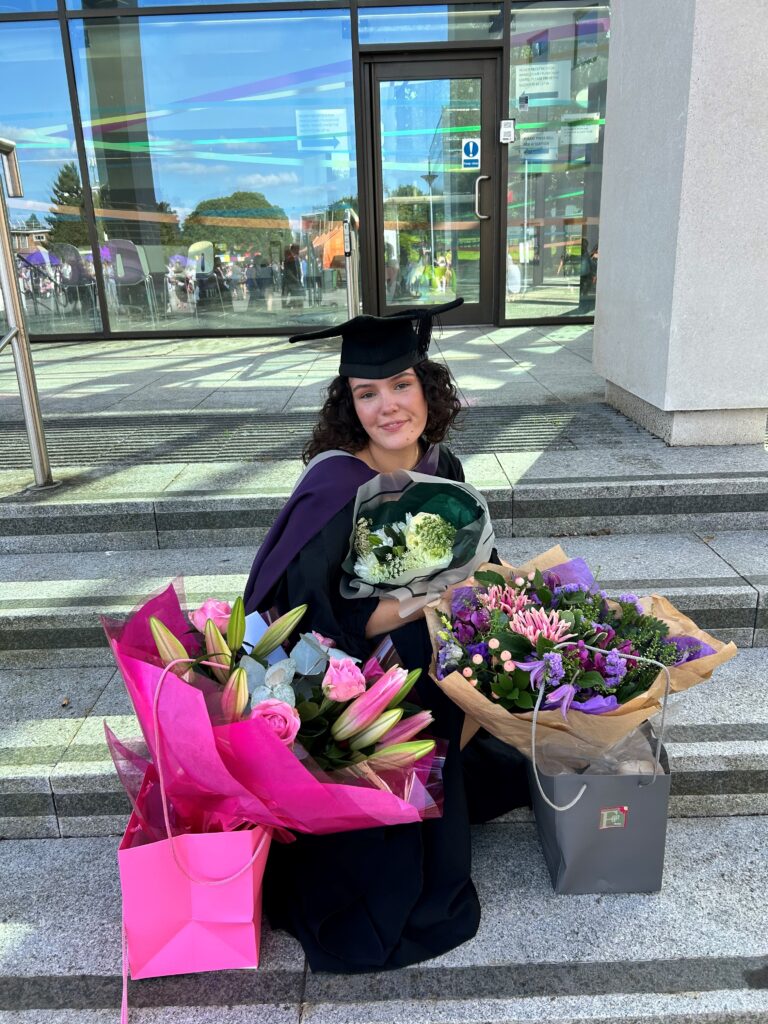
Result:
pixel 381 898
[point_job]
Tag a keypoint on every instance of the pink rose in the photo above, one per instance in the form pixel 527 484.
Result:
pixel 343 680
pixel 280 717
pixel 219 611
pixel 324 640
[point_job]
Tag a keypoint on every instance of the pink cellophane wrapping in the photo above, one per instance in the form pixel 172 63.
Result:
pixel 242 772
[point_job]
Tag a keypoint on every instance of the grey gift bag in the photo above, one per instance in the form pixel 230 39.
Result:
pixel 603 833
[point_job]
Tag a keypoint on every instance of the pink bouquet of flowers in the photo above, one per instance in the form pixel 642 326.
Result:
pixel 248 741
pixel 244 744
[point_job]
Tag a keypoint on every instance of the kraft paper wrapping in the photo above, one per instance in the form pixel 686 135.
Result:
pixel 582 736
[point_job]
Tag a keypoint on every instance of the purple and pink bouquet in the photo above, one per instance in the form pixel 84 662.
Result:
pixel 508 634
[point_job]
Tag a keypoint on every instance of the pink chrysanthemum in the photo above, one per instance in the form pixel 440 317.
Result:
pixel 535 622
pixel 504 599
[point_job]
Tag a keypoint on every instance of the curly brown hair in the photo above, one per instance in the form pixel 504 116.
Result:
pixel 339 427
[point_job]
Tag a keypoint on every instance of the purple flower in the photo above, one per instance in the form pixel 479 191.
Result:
pixel 464 632
pixel 448 657
pixel 480 648
pixel 632 599
pixel 575 570
pixel 602 627
pixel 597 705
pixel 689 648
pixel 464 599
pixel 548 669
pixel 555 670
pixel 561 697
pixel 537 668
pixel 571 588
pixel 480 619
pixel 615 668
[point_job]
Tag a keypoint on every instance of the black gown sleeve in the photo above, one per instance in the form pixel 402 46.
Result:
pixel 314 577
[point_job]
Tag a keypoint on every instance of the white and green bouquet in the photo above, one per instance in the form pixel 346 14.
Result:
pixel 413 536
pixel 420 541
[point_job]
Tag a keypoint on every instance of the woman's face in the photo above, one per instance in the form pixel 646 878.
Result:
pixel 393 411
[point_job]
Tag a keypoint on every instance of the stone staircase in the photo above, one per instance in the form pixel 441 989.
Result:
pixel 696 952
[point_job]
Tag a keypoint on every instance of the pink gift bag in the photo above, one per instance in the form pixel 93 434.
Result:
pixel 192 902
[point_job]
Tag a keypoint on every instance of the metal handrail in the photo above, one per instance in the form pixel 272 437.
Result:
pixel 17 336
pixel 8 338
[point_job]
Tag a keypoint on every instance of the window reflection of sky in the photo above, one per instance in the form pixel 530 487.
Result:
pixel 222 95
pixel 34 108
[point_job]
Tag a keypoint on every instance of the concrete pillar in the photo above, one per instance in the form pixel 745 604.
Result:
pixel 681 323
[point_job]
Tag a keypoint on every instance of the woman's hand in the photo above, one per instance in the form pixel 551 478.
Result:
pixel 386 617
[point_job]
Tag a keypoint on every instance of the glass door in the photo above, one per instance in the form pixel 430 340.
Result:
pixel 434 184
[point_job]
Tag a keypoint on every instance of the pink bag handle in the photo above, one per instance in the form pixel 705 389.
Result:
pixel 169 831
pixel 164 798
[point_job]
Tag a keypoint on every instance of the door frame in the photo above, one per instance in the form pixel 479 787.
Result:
pixel 369 191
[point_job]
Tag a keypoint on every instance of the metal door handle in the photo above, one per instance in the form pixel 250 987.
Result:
pixel 480 216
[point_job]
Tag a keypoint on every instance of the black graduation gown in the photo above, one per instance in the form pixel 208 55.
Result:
pixel 386 897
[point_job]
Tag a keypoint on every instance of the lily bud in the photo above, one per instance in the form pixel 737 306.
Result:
pixel 218 652
pixel 278 632
pixel 365 709
pixel 236 626
pixel 406 729
pixel 400 755
pixel 374 732
pixel 168 647
pixel 405 689
pixel 235 695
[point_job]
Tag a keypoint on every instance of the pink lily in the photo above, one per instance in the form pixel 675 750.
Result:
pixel 406 730
pixel 365 709
pixel 400 755
pixel 234 697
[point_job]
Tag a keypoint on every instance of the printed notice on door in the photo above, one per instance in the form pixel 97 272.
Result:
pixel 543 84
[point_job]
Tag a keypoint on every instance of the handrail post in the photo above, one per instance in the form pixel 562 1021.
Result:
pixel 17 327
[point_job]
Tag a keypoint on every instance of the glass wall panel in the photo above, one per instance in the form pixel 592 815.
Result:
pixel 26 6
pixel 559 64
pixel 431 234
pixel 430 24
pixel 101 5
pixel 221 152
pixel 47 226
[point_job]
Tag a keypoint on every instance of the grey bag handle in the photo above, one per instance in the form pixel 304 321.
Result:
pixel 659 739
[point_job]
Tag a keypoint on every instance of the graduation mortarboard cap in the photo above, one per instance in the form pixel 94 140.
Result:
pixel 381 346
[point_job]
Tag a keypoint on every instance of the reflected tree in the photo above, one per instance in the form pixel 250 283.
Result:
pixel 238 222
pixel 66 221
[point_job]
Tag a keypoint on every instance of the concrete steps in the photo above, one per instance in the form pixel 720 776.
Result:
pixel 697 951
pixel 594 503
pixel 58 678
pixel 51 602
